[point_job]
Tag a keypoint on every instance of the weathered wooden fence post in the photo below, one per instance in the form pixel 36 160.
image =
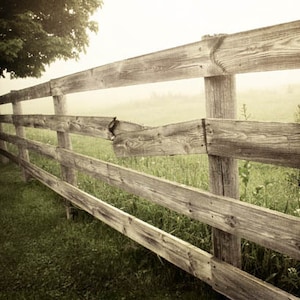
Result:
pixel 220 95
pixel 3 146
pixel 64 141
pixel 20 132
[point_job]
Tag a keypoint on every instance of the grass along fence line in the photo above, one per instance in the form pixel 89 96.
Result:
pixel 216 59
pixel 264 184
pixel 44 256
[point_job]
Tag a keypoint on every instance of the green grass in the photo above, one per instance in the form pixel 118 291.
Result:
pixel 47 257
pixel 40 212
pixel 44 256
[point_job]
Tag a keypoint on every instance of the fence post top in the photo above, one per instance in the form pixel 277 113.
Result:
pixel 56 91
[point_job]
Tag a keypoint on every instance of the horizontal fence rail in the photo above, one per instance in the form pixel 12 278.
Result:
pixel 265 49
pixel 225 278
pixel 229 215
pixel 267 142
pixel 220 136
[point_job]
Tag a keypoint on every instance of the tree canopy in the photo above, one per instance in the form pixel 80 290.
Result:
pixel 34 33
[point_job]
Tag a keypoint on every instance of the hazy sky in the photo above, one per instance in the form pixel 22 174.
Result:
pixel 129 28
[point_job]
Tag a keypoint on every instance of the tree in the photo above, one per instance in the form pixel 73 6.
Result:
pixel 37 32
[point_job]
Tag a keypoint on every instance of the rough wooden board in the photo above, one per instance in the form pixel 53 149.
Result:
pixel 68 174
pixel 92 126
pixel 37 147
pixel 267 142
pixel 265 49
pixel 230 215
pixel 237 284
pixel 182 254
pixel 248 221
pixel 223 277
pixel 37 91
pixel 180 138
pixel 220 96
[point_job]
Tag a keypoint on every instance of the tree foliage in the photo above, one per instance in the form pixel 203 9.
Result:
pixel 34 33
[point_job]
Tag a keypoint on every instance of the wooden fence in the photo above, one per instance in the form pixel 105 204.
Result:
pixel 223 138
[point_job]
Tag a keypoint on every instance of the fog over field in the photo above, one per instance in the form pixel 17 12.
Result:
pixel 170 102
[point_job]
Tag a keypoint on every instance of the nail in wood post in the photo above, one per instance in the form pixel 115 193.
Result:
pixel 3 146
pixel 64 141
pixel 223 172
pixel 20 132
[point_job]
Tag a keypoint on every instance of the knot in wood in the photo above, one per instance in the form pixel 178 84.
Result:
pixel 231 221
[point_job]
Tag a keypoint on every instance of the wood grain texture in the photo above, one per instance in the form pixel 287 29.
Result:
pixel 92 126
pixel 180 138
pixel 224 278
pixel 237 284
pixel 182 62
pixel 68 174
pixel 20 132
pixel 220 94
pixel 265 49
pixel 267 142
pixel 182 254
pixel 37 147
pixel 37 91
pixel 229 215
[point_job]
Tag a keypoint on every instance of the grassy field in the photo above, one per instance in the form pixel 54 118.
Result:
pixel 44 256
pixel 47 257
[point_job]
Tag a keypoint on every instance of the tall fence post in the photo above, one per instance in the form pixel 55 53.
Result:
pixel 3 146
pixel 64 141
pixel 20 132
pixel 220 92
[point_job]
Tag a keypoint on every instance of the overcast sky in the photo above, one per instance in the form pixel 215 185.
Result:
pixel 129 28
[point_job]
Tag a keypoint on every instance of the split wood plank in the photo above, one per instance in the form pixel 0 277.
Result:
pixel 180 138
pixel 102 127
pixel 267 142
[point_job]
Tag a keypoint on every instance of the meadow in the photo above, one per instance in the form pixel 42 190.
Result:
pixel 47 257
